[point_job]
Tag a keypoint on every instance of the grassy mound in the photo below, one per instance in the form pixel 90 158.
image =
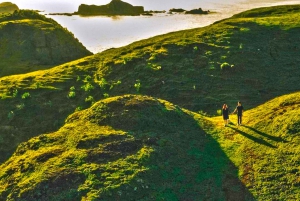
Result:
pixel 30 41
pixel 250 59
pixel 266 149
pixel 123 148
pixel 8 7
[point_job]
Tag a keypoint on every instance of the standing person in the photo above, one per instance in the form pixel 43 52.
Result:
pixel 225 113
pixel 239 109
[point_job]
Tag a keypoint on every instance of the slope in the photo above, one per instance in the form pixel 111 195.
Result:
pixel 8 7
pixel 30 41
pixel 252 59
pixel 266 148
pixel 123 148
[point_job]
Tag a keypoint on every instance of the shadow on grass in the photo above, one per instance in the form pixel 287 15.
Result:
pixel 257 140
pixel 187 164
pixel 276 139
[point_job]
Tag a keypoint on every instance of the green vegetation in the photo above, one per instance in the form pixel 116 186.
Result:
pixel 8 7
pixel 266 149
pixel 140 147
pixel 30 41
pixel 126 148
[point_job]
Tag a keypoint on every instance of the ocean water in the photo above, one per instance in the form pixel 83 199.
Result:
pixel 98 33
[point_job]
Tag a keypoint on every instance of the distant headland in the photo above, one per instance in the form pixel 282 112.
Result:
pixel 115 7
pixel 8 7
pixel 118 7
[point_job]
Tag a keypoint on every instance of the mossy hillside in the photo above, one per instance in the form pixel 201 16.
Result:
pixel 30 41
pixel 250 59
pixel 266 148
pixel 123 148
pixel 8 7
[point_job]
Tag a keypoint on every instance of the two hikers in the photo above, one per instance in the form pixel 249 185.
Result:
pixel 239 110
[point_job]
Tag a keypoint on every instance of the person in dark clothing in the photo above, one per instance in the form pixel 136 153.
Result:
pixel 239 110
pixel 225 113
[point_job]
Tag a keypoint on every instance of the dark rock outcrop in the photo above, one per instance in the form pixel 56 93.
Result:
pixel 197 11
pixel 7 7
pixel 177 10
pixel 115 7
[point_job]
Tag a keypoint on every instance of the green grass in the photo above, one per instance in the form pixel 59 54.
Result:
pixel 30 41
pixel 266 148
pixel 140 147
pixel 127 148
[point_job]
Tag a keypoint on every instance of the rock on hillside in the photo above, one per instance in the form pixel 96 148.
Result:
pixel 122 148
pixel 7 7
pixel 26 36
pixel 115 7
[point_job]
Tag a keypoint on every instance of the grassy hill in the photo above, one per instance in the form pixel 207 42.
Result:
pixel 123 148
pixel 114 148
pixel 266 149
pixel 8 7
pixel 141 148
pixel 30 41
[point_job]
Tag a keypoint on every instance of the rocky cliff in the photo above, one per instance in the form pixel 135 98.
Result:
pixel 115 7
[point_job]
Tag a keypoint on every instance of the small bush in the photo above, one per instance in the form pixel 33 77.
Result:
pixel 26 95
pixel 87 87
pixel 137 85
pixel 226 66
pixel 90 99
pixel 72 94
pixel 102 83
pixel 20 106
pixel 72 88
pixel 10 115
pixel 106 95
pixel 15 93
pixel 78 109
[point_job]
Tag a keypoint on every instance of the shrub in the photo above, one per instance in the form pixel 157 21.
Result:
pixel 137 85
pixel 15 93
pixel 87 87
pixel 226 65
pixel 88 78
pixel 78 109
pixel 90 99
pixel 102 83
pixel 72 94
pixel 10 115
pixel 26 95
pixel 72 88
pixel 20 106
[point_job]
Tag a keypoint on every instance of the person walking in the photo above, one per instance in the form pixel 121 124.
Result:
pixel 225 113
pixel 239 110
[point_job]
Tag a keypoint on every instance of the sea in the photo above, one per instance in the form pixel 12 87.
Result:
pixel 98 33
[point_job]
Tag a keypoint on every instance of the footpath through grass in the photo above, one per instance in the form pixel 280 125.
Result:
pixel 266 148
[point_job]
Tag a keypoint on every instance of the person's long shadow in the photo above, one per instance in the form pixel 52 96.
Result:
pixel 276 139
pixel 260 141
pixel 186 164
